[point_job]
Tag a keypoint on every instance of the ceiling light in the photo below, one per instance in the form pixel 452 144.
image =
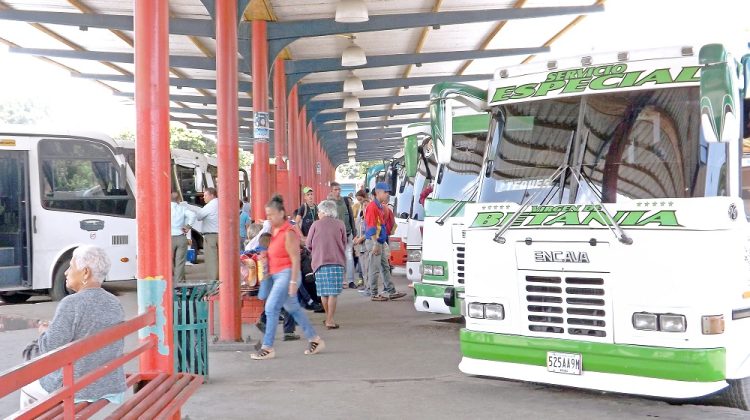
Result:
pixel 351 146
pixel 353 56
pixel 351 11
pixel 351 116
pixel 351 126
pixel 351 102
pixel 351 135
pixel 353 84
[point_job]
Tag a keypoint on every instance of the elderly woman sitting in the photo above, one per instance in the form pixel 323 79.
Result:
pixel 326 241
pixel 88 311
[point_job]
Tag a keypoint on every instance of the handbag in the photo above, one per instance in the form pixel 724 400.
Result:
pixel 31 351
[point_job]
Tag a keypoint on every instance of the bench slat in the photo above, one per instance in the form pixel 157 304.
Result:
pixel 128 405
pixel 93 408
pixel 152 398
pixel 165 398
pixel 179 400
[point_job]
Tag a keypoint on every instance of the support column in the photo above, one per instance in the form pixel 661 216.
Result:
pixel 280 131
pixel 151 24
pixel 260 180
pixel 230 325
pixel 292 115
pixel 303 159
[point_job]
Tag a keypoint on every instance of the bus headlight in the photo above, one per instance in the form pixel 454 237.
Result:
pixel 476 310
pixel 414 255
pixel 427 269
pixel 494 311
pixel 645 321
pixel 672 323
pixel 437 270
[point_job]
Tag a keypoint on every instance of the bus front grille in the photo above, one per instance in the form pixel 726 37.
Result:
pixel 566 306
pixel 460 261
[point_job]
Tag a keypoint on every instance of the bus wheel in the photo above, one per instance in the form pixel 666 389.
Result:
pixel 13 297
pixel 738 394
pixel 58 289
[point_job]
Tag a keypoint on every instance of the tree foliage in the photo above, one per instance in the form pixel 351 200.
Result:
pixel 22 111
pixel 354 170
pixel 183 138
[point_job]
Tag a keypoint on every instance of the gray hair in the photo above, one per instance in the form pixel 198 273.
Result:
pixel 328 208
pixel 95 258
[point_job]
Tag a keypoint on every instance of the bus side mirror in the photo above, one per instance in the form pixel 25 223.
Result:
pixel 411 156
pixel 441 118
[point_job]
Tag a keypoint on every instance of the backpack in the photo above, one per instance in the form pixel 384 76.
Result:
pixel 307 222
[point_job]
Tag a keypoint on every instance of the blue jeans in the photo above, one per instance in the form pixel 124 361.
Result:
pixel 279 298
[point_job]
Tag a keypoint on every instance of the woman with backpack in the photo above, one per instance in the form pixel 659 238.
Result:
pixel 307 213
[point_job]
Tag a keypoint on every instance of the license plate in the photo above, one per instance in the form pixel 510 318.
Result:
pixel 568 363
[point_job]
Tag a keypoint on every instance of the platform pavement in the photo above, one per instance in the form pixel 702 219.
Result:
pixel 386 361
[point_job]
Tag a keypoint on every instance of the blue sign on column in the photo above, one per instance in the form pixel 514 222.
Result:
pixel 260 125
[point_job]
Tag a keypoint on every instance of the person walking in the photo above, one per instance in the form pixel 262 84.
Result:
pixel 376 236
pixel 327 244
pixel 88 311
pixel 359 240
pixel 284 269
pixel 182 220
pixel 346 215
pixel 307 214
pixel 209 215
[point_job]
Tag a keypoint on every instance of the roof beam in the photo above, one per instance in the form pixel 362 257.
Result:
pixel 281 34
pixel 185 61
pixel 207 112
pixel 177 82
pixel 308 91
pixel 193 99
pixel 177 26
pixel 383 125
pixel 324 118
pixel 297 69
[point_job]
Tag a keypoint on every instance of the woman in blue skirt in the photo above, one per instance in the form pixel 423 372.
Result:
pixel 326 241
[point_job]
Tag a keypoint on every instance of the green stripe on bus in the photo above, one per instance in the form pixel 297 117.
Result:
pixel 690 365
pixel 435 207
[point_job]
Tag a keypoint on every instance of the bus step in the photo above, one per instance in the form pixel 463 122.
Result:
pixel 7 256
pixel 10 276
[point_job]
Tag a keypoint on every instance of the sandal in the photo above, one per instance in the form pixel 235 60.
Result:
pixel 263 354
pixel 333 327
pixel 315 347
pixel 379 298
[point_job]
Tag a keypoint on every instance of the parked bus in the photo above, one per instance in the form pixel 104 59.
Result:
pixel 608 247
pixel 419 169
pixel 443 253
pixel 60 190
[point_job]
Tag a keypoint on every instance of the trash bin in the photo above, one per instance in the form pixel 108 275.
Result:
pixel 191 327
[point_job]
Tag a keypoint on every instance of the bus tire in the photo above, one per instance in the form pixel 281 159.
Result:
pixel 58 290
pixel 738 394
pixel 14 297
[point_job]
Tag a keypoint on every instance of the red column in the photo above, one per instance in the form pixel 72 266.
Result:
pixel 303 159
pixel 280 130
pixel 260 104
pixel 230 326
pixel 309 154
pixel 151 24
pixel 292 107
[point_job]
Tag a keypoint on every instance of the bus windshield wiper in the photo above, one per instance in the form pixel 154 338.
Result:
pixel 468 196
pixel 527 202
pixel 601 210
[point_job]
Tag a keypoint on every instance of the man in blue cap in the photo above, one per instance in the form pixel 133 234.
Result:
pixel 376 236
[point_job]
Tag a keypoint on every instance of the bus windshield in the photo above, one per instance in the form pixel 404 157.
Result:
pixel 455 178
pixel 610 147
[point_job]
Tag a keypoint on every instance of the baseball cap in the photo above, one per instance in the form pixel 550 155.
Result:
pixel 306 190
pixel 383 186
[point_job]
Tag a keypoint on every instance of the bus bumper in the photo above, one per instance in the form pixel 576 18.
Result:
pixel 431 298
pixel 640 370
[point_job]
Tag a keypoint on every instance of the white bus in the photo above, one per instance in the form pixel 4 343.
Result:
pixel 454 184
pixel 608 248
pixel 419 169
pixel 60 190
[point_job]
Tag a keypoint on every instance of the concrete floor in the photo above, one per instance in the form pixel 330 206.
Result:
pixel 386 361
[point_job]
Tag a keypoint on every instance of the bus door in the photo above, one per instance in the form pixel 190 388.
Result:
pixel 14 234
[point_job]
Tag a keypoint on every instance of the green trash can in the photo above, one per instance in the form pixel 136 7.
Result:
pixel 191 327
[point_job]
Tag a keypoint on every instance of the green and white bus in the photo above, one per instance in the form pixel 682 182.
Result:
pixel 609 247
pixel 454 184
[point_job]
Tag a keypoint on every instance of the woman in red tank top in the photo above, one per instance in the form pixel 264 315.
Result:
pixel 284 269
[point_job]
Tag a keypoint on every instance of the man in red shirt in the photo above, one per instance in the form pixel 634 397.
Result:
pixel 376 236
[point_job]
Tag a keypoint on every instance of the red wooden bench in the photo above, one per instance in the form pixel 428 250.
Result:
pixel 158 395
